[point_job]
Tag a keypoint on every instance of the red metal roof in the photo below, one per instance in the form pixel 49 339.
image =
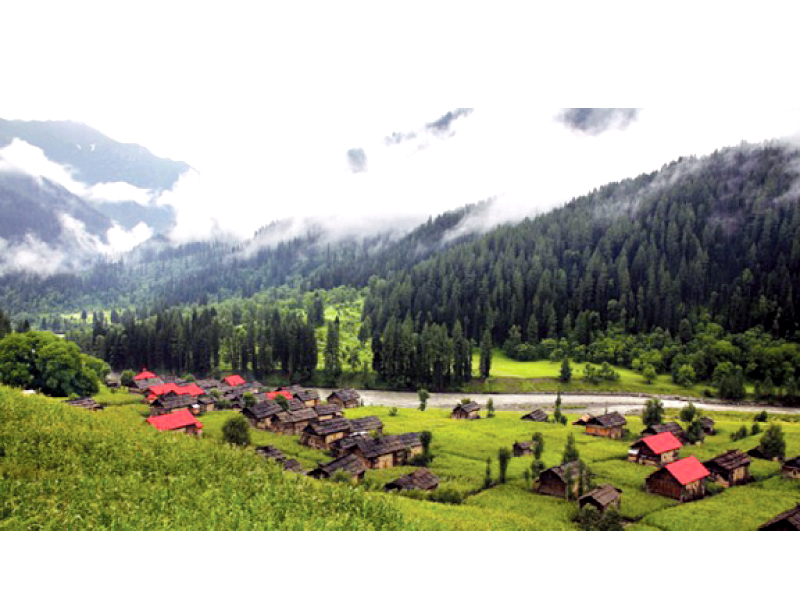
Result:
pixel 166 388
pixel 173 421
pixel 688 470
pixel 663 443
pixel 286 394
pixel 235 381
pixel 144 376
pixel 192 390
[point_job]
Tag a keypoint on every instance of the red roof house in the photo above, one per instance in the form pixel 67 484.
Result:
pixel 683 480
pixel 285 393
pixel 657 450
pixel 235 381
pixel 183 421
pixel 145 375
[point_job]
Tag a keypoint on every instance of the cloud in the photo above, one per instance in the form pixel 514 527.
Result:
pixel 118 192
pixel 595 121
pixel 441 127
pixel 443 124
pixel 357 159
pixel 121 240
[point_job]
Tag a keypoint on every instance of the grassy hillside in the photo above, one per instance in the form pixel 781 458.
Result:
pixel 65 469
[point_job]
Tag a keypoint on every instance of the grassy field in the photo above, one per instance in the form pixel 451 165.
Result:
pixel 65 468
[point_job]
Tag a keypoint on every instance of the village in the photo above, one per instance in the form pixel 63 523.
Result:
pixel 357 446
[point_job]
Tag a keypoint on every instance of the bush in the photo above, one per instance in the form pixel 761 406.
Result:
pixel 773 444
pixel 761 417
pixel 127 378
pixel 756 429
pixel 742 434
pixel 590 519
pixel 688 413
pixel 236 431
pixel 393 412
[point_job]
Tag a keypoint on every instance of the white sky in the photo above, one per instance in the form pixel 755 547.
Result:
pixel 265 101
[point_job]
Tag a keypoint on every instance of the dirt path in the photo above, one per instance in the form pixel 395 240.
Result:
pixel 573 403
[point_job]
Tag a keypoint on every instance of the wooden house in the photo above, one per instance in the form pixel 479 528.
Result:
pixel 555 481
pixel 322 435
pixel 207 404
pixel 350 464
pixel 345 399
pixel 87 403
pixel 672 427
pixel 683 480
pixel 603 499
pixel 418 480
pixel 468 412
pixel 309 398
pixel 537 416
pixel 788 521
pixel 708 426
pixel 260 415
pixel 183 422
pixel 583 421
pixel 523 449
pixel 656 450
pixel 791 468
pixel 730 469
pixel 610 426
pixel 328 412
pixel 292 422
pixel 172 404
pixel 367 425
pixel 387 452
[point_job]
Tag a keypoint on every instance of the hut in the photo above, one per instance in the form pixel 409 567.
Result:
pixel 672 427
pixel 260 415
pixel 235 381
pixel 523 449
pixel 322 435
pixel 683 480
pixel 418 480
pixel 183 422
pixel 207 404
pixel 345 399
pixel 708 426
pixel 172 404
pixel 328 412
pixel 87 403
pixel 292 422
pixel 555 481
pixel 386 452
pixel 610 426
pixel 788 521
pixel 469 412
pixel 730 469
pixel 791 468
pixel 537 416
pixel 656 450
pixel 350 464
pixel 367 425
pixel 603 499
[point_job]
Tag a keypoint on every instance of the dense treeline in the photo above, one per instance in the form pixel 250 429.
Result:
pixel 715 238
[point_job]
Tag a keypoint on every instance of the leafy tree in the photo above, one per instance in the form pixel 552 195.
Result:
pixel 756 429
pixel 695 433
pixel 490 412
pixel 127 378
pixel 688 413
pixel 503 458
pixel 538 445
pixel 571 453
pixel 761 417
pixel 566 371
pixel 650 374
pixel 686 376
pixel 236 431
pixel 424 396
pixel 486 354
pixel 537 468
pixel 773 443
pixel 653 413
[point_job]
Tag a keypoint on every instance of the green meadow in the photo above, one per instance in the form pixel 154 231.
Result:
pixel 64 468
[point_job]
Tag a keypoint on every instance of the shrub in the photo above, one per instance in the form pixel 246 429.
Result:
pixel 393 412
pixel 649 374
pixel 424 396
pixel 773 443
pixel 743 433
pixel 127 378
pixel 761 417
pixel 756 429
pixel 653 413
pixel 490 412
pixel 590 519
pixel 566 372
pixel 570 450
pixel 688 413
pixel 236 431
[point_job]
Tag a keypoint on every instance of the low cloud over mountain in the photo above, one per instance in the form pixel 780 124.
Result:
pixel 595 121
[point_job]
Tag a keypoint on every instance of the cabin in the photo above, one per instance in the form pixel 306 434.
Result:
pixel 292 423
pixel 171 404
pixel 673 428
pixel 467 412
pixel 422 480
pixel 207 404
pixel 760 454
pixel 523 449
pixel 537 416
pixel 367 425
pixel 656 450
pixel 683 481
pixel 387 452
pixel 602 499
pixel 708 426
pixel 788 521
pixel 730 469
pixel 328 412
pixel 611 426
pixel 183 422
pixel 87 403
pixel 583 421
pixel 791 468
pixel 345 399
pixel 234 381
pixel 554 482
pixel 323 435
pixel 260 415
pixel 350 464
pixel 309 398
pixel 145 375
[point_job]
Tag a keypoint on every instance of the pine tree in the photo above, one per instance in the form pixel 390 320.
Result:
pixel 566 371
pixel 773 443
pixel 503 458
pixel 653 413
pixel 486 354
pixel 571 453
pixel 333 356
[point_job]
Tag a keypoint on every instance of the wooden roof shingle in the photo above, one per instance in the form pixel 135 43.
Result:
pixel 730 461
pixel 422 479
pixel 791 518
pixel 605 495
pixel 350 464
pixel 610 420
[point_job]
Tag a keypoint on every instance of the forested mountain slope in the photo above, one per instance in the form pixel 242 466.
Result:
pixel 717 234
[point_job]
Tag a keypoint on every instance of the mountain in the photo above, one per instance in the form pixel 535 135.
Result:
pixel 94 160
